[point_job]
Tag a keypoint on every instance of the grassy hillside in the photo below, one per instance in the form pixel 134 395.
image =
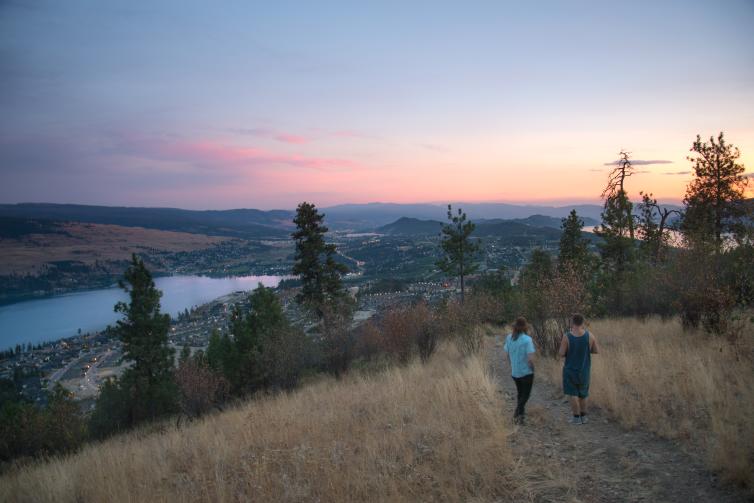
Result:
pixel 37 243
pixel 688 386
pixel 420 432
pixel 240 223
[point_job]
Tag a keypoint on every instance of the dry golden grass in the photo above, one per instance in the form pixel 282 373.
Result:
pixel 680 385
pixel 418 432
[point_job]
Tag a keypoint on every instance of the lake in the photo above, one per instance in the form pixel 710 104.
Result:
pixel 61 316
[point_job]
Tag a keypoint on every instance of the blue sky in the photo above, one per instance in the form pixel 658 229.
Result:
pixel 251 104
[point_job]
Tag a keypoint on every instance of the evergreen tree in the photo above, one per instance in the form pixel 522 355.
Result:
pixel 573 250
pixel 459 251
pixel 715 202
pixel 214 351
pixel 146 389
pixel 315 263
pixel 265 350
pixel 716 278
pixel 266 314
pixel 144 334
pixel 617 232
pixel 653 225
pixel 110 413
pixel 185 354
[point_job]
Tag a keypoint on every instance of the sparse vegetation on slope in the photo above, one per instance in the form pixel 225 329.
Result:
pixel 416 432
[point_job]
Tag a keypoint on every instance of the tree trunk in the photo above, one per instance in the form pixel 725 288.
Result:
pixel 462 290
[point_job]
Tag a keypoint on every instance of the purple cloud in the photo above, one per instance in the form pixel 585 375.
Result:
pixel 677 173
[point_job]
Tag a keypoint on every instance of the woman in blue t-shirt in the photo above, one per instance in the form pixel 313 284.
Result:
pixel 520 349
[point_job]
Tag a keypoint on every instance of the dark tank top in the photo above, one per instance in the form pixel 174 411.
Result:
pixel 578 357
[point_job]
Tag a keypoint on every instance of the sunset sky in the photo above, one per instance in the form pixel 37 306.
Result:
pixel 265 104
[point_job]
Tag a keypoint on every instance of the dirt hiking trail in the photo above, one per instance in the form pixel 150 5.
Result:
pixel 599 461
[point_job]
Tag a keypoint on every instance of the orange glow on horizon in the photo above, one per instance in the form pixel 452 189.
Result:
pixel 349 169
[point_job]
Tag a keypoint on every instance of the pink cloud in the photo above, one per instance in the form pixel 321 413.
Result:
pixel 280 136
pixel 292 138
pixel 208 152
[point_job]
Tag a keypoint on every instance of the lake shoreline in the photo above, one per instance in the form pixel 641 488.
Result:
pixel 6 300
pixel 59 316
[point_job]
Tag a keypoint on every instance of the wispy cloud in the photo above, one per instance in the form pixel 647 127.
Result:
pixel 603 170
pixel 292 138
pixel 280 136
pixel 311 134
pixel 640 162
pixel 677 173
pixel 212 154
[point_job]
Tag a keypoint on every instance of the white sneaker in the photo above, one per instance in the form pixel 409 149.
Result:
pixel 584 420
pixel 575 420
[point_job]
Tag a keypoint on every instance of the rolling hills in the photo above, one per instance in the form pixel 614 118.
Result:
pixel 255 224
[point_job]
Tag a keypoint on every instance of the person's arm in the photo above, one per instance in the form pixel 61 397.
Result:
pixel 563 346
pixel 530 352
pixel 594 348
pixel 506 348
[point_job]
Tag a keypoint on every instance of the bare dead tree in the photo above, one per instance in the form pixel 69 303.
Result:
pixel 618 175
pixel 615 193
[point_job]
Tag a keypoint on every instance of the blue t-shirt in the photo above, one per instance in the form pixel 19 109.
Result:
pixel 518 353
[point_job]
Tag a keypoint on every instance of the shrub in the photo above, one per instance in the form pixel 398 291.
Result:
pixel 460 322
pixel 403 332
pixel 27 430
pixel 201 388
pixel 337 339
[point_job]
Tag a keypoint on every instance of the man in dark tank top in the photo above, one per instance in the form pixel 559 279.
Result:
pixel 577 347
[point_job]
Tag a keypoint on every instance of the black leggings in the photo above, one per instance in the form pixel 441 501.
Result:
pixel 523 386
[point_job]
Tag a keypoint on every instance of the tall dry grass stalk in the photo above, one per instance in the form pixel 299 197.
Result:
pixel 416 432
pixel 681 385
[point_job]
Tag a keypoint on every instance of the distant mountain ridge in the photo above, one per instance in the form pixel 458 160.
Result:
pixel 253 223
pixel 541 221
pixel 373 215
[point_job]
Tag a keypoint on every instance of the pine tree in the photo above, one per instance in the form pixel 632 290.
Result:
pixel 315 262
pixel 185 354
pixel 265 351
pixel 617 231
pixel 214 351
pixel 143 331
pixel 652 226
pixel 715 202
pixel 574 248
pixel 459 251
